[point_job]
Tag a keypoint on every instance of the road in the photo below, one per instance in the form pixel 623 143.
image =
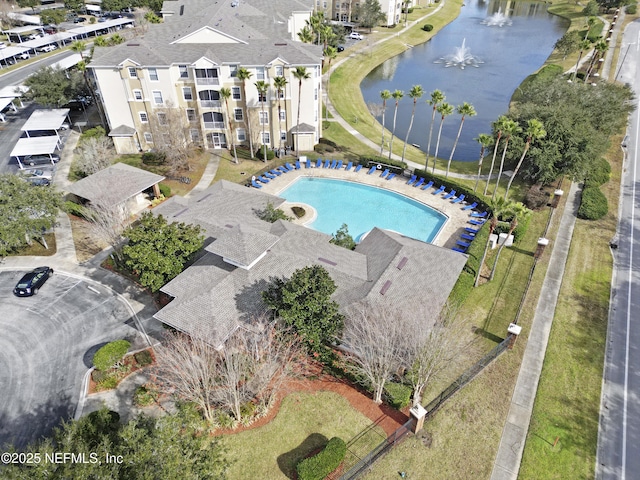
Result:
pixel 619 433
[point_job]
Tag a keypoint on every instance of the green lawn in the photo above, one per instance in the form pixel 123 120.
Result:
pixel 304 423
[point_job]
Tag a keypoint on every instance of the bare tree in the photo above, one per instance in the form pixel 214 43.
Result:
pixel 108 222
pixel 171 137
pixel 93 154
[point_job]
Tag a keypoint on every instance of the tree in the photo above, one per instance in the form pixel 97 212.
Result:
pixel 437 97
pixel 508 128
pixel 568 43
pixel 171 135
pixel 342 238
pixel 53 17
pixel 28 3
pixel 271 214
pixel 397 96
pixel 516 210
pixel 591 9
pixel 306 35
pixel 416 92
pixel 497 126
pixel 370 14
pixel 498 207
pixel 262 88
pixel 243 75
pixel 591 22
pixel 600 48
pixel 27 212
pixel 330 53
pixel 300 73
pixel 93 154
pixel 385 95
pixel 583 45
pixel 535 131
pixel 304 303
pixel 74 5
pixel 280 84
pixel 465 110
pixel 78 47
pixel 444 109
pixel 49 87
pixel 109 221
pixel 485 140
pixel 158 251
pixel 225 94
pixel 376 341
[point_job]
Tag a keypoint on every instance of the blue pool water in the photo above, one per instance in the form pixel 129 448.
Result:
pixel 363 207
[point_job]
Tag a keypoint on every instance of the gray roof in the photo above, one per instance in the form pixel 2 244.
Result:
pixel 212 297
pixel 303 128
pixel 258 27
pixel 122 131
pixel 114 184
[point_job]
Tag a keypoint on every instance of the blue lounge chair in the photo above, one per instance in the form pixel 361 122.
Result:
pixel 412 179
pixel 471 230
pixel 357 169
pixel 349 165
pixel 473 221
pixel 371 170
pixel 289 166
pixel 470 207
pixel 333 164
pixel 255 184
pixel 275 172
pixel 463 244
pixel 391 176
pixel 282 169
pixel 419 182
pixel 466 236
pixel 308 164
pixel 327 162
pixel 461 250
pixel 268 175
pixel 478 215
pixel 426 186
pixel 459 199
pixel 297 164
pixel 339 165
pixel 319 163
pixel 438 191
pixel 263 179
pixel 452 193
pixel 384 174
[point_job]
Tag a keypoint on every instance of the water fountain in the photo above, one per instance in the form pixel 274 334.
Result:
pixel 460 58
pixel 498 19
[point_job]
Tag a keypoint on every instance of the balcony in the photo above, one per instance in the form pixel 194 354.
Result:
pixel 207 81
pixel 211 103
pixel 210 125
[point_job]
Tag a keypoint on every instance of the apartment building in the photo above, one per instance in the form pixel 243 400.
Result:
pixel 170 81
pixel 346 11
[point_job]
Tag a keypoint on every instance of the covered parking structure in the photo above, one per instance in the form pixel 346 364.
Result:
pixel 46 120
pixel 9 55
pixel 26 147
pixel 109 26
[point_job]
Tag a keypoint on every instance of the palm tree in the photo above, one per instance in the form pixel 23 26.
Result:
pixel 325 33
pixel 416 92
pixel 509 129
pixel 243 75
pixel 515 210
pixel 584 45
pixel 591 22
pixel 280 84
pixel 397 95
pixel 497 125
pixel 485 140
pixel 498 207
pixel 444 109
pixel 330 53
pixel 225 94
pixel 535 131
pixel 466 110
pixel 385 95
pixel 437 97
pixel 305 35
pixel 262 87
pixel 301 74
pixel 600 48
pixel 78 47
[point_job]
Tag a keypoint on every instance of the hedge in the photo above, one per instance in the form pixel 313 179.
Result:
pixel 631 9
pixel 323 463
pixel 394 166
pixel 260 153
pixel 594 204
pixel 469 195
pixel 466 280
pixel 600 174
pixel 398 395
pixel 110 354
pixel 165 190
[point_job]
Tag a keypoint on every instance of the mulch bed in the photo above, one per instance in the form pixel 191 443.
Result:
pixel 128 360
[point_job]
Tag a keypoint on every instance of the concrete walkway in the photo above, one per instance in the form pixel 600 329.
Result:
pixel 209 174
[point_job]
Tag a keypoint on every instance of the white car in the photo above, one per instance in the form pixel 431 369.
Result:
pixel 355 36
pixel 48 48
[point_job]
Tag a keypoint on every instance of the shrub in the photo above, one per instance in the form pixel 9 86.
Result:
pixel 153 158
pixel 96 132
pixel 143 358
pixel 398 395
pixel 260 153
pixel 331 143
pixel 450 183
pixel 271 214
pixel 165 190
pixel 536 198
pixel 76 209
pixel 145 395
pixel 599 175
pixel 107 383
pixel 110 354
pixel 224 419
pixel 247 409
pixel 594 204
pixel 321 148
pixel 98 376
pixel 325 462
pixel 298 211
pixel 631 9
pixel 342 238
pixel 427 27
pixel 395 166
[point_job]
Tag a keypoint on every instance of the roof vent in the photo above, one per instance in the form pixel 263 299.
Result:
pixel 205 197
pixel 402 263
pixel 329 262
pixel 181 9
pixel 280 44
pixel 385 287
pixel 133 44
pixel 234 4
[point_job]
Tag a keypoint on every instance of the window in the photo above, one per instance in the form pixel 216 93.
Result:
pixel 264 118
pixel 262 97
pixel 184 72
pixel 153 74
pixel 266 138
pixel 315 93
pixel 259 73
pixel 235 93
pixel 143 117
pixel 233 71
pixel 283 136
pixel 157 97
pixel 133 73
pixel 137 94
pixel 186 93
pixel 279 70
pixel 148 137
pixel 195 134
pixel 162 118
pixel 237 114
pixel 281 93
pixel 191 114
pixel 283 115
pixel 242 136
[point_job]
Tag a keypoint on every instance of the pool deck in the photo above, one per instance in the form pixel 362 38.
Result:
pixel 449 233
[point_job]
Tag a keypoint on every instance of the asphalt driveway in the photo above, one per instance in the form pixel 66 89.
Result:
pixel 47 343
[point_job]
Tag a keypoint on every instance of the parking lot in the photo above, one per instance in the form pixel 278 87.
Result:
pixel 47 344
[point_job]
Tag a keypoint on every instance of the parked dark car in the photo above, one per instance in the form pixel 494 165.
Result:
pixel 39 181
pixel 79 20
pixel 40 159
pixel 340 48
pixel 31 282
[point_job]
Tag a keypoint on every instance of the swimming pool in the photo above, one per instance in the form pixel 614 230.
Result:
pixel 363 207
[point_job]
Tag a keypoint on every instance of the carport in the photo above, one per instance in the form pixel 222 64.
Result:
pixel 35 146
pixel 46 120
pixel 109 25
pixel 11 52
